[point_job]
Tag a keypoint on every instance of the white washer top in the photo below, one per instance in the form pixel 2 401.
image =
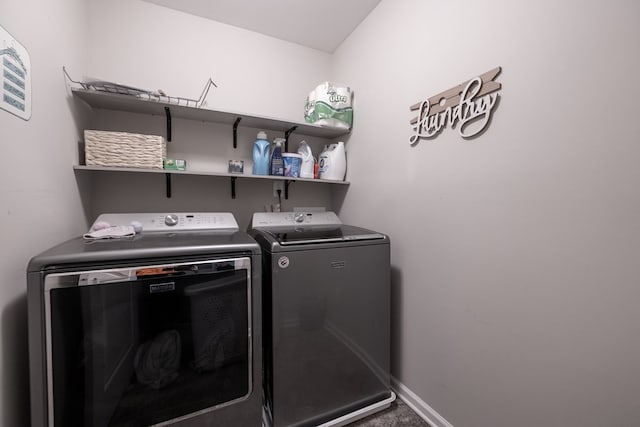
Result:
pixel 180 221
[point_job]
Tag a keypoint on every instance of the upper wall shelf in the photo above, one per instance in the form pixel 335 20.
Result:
pixel 113 101
pixel 132 104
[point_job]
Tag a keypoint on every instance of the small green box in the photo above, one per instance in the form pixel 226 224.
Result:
pixel 173 164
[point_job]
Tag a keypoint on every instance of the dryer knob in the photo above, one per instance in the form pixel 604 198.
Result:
pixel 171 220
pixel 298 217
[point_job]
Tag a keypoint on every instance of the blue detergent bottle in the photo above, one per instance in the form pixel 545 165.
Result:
pixel 261 155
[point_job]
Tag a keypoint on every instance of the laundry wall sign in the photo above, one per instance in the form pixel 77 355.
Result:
pixel 467 106
pixel 16 76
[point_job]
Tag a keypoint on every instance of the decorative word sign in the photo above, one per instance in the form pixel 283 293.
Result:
pixel 16 79
pixel 469 104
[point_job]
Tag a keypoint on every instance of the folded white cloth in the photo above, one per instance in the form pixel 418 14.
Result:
pixel 113 232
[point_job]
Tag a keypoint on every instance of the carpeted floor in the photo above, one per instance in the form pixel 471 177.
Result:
pixel 397 415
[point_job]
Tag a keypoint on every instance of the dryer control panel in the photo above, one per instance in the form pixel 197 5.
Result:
pixel 183 221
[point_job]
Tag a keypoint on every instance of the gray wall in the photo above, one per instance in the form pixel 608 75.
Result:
pixel 255 74
pixel 39 197
pixel 43 201
pixel 515 253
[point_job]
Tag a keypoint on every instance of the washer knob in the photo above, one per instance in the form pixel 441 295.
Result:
pixel 171 220
pixel 298 217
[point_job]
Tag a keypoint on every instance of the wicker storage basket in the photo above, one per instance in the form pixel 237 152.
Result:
pixel 124 149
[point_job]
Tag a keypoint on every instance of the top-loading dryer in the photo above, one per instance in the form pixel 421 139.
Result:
pixel 326 321
pixel 159 329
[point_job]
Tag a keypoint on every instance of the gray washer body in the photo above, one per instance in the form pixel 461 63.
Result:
pixel 326 308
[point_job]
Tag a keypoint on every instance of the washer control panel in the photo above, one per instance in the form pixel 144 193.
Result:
pixel 275 220
pixel 212 221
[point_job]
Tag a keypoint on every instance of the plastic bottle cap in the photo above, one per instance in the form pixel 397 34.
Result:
pixel 262 135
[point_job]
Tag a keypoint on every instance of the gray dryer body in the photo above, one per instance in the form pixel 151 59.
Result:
pixel 160 329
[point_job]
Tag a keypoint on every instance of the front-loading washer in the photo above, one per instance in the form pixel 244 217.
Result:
pixel 326 319
pixel 163 328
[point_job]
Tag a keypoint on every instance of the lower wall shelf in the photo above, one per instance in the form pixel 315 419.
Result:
pixel 232 176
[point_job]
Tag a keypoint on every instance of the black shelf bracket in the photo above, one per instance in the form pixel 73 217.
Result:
pixel 168 184
pixel 233 186
pixel 286 137
pixel 167 112
pixel 286 189
pixel 235 133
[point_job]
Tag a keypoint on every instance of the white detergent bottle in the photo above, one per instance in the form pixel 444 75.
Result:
pixel 333 162
pixel 316 171
pixel 306 168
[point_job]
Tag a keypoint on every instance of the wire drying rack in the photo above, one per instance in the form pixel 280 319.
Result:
pixel 155 96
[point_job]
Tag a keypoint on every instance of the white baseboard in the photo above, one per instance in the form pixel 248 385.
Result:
pixel 419 406
pixel 361 413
